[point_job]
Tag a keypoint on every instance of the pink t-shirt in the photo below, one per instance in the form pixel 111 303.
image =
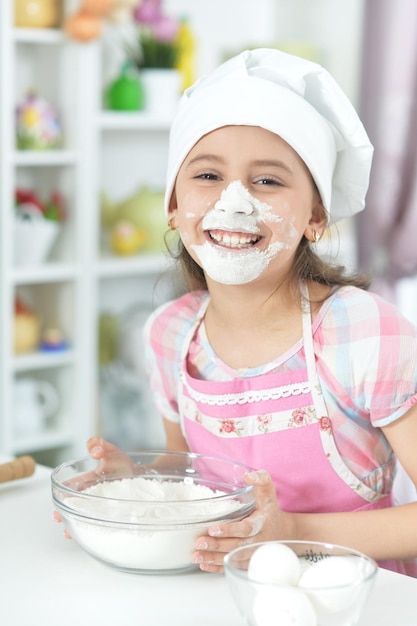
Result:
pixel 366 359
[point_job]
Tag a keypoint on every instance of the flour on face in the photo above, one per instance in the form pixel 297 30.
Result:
pixel 232 258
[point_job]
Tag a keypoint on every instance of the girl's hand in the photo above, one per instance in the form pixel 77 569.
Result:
pixel 112 460
pixel 266 523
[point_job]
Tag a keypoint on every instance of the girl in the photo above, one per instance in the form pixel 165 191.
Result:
pixel 274 357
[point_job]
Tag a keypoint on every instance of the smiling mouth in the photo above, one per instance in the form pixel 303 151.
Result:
pixel 233 239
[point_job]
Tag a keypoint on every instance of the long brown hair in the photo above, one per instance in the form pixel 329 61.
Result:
pixel 308 265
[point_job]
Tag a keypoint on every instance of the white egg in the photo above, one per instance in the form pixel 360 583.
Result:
pixel 274 563
pixel 331 583
pixel 286 606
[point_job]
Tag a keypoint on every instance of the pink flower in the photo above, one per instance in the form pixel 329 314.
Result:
pixel 228 426
pixel 299 416
pixel 157 44
pixel 325 423
pixel 165 28
pixel 148 11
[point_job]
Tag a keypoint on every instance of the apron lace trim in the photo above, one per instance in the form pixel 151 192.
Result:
pixel 249 396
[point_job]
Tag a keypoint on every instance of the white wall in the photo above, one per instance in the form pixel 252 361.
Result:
pixel 228 26
pixel 335 27
pixel 223 27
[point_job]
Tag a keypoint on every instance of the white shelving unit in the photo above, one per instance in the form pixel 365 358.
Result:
pixel 102 151
pixel 60 289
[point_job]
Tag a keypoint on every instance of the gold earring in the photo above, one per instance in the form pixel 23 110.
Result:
pixel 316 236
pixel 171 223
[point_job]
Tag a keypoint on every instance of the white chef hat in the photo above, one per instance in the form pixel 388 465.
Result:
pixel 295 99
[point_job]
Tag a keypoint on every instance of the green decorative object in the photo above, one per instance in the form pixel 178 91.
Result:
pixel 108 338
pixel 126 92
pixel 145 210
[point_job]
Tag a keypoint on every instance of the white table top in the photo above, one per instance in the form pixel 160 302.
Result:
pixel 47 580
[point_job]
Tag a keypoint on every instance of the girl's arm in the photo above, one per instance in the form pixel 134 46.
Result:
pixel 383 534
pixel 174 437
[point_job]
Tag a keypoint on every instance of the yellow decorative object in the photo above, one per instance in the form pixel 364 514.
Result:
pixel 26 333
pixel 186 56
pixel 127 239
pixel 37 13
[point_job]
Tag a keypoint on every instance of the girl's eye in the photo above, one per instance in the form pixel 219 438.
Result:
pixel 207 176
pixel 266 180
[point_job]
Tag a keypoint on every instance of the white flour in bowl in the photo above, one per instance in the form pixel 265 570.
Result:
pixel 148 503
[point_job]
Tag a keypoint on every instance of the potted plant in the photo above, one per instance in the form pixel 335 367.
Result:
pixel 155 52
pixel 37 224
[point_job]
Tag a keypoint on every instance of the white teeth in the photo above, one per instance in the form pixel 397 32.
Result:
pixel 234 240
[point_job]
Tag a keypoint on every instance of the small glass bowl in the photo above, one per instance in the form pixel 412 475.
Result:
pixel 149 535
pixel 302 604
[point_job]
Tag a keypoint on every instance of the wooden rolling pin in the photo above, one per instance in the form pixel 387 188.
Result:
pixel 21 467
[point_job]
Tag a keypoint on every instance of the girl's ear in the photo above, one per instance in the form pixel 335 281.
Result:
pixel 317 223
pixel 172 207
pixel 172 211
pixel 172 202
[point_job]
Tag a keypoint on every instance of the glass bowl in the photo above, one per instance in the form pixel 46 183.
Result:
pixel 325 585
pixel 142 511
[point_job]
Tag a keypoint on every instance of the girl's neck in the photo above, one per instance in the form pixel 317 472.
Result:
pixel 248 327
pixel 253 303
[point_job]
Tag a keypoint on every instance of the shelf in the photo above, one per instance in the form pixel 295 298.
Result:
pixel 43 441
pixel 142 264
pixel 116 121
pixel 43 360
pixel 41 158
pixel 38 35
pixel 47 273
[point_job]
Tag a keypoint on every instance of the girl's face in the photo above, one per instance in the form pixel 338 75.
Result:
pixel 243 200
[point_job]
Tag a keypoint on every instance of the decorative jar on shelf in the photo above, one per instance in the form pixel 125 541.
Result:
pixel 162 90
pixel 33 240
pixel 37 13
pixel 37 124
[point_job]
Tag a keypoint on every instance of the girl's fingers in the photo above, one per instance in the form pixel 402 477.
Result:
pixel 98 447
pixel 264 487
pixel 249 527
pixel 112 458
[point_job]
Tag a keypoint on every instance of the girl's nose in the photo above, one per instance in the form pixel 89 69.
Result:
pixel 235 199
